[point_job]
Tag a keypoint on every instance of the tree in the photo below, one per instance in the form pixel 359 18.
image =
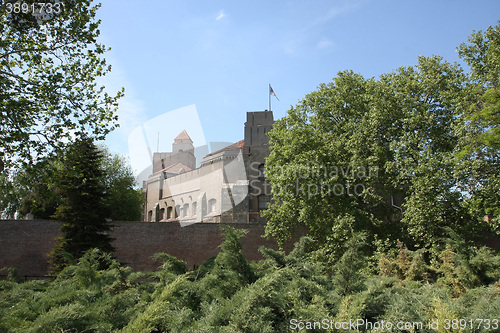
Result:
pixel 324 154
pixel 482 54
pixel 124 201
pixel 82 211
pixel 480 153
pixel 37 190
pixel 373 156
pixel 49 64
pixel 9 194
pixel 429 100
pixel 33 189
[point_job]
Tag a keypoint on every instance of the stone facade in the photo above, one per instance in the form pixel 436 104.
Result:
pixel 228 187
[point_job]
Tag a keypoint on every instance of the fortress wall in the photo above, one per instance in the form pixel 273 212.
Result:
pixel 24 244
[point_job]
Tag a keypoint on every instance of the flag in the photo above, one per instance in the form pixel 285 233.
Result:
pixel 271 92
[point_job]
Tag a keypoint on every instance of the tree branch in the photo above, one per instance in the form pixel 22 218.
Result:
pixel 17 77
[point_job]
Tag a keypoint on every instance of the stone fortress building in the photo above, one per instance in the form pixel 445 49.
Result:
pixel 228 187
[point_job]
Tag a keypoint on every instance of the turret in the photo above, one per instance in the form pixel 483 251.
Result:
pixel 182 143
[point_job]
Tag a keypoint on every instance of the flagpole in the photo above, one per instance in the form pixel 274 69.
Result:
pixel 269 93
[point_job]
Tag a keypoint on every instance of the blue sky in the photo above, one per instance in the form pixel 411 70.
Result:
pixel 220 56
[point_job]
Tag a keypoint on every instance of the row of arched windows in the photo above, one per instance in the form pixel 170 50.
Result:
pixel 184 211
pixel 187 210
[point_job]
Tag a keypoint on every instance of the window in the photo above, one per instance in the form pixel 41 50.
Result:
pixel 262 171
pixel 212 205
pixel 263 201
pixel 162 213
pixel 157 213
pixel 193 208
pixel 169 212
pixel 150 215
pixel 177 211
pixel 185 210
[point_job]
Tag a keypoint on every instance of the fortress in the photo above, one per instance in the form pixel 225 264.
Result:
pixel 228 187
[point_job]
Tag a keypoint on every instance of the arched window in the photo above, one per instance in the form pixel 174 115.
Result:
pixel 177 211
pixel 162 213
pixel 169 212
pixel 157 213
pixel 212 203
pixel 193 208
pixel 150 216
pixel 185 210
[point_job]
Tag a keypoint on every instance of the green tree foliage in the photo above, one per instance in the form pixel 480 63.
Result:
pixel 33 189
pixel 10 195
pixel 342 157
pixel 287 292
pixel 428 98
pixel 382 157
pixel 423 200
pixel 483 55
pixel 30 189
pixel 49 65
pixel 347 271
pixel 230 270
pixel 123 199
pixel 37 183
pixel 170 268
pixel 317 158
pixel 480 142
pixel 181 301
pixel 82 210
pixel 82 298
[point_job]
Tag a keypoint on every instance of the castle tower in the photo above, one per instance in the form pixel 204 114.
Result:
pixel 182 152
pixel 257 125
pixel 182 143
pixel 255 151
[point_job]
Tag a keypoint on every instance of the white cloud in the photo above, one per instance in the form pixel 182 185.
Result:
pixel 302 37
pixel 221 15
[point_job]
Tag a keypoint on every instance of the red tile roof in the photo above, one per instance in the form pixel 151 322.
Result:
pixel 234 146
pixel 183 136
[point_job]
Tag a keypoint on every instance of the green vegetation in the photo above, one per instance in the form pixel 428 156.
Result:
pixel 50 65
pixel 124 201
pixel 392 179
pixel 82 210
pixel 33 190
pixel 276 294
pixel 483 55
pixel 402 158
pixel 49 68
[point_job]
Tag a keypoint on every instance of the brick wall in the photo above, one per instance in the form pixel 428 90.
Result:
pixel 24 244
